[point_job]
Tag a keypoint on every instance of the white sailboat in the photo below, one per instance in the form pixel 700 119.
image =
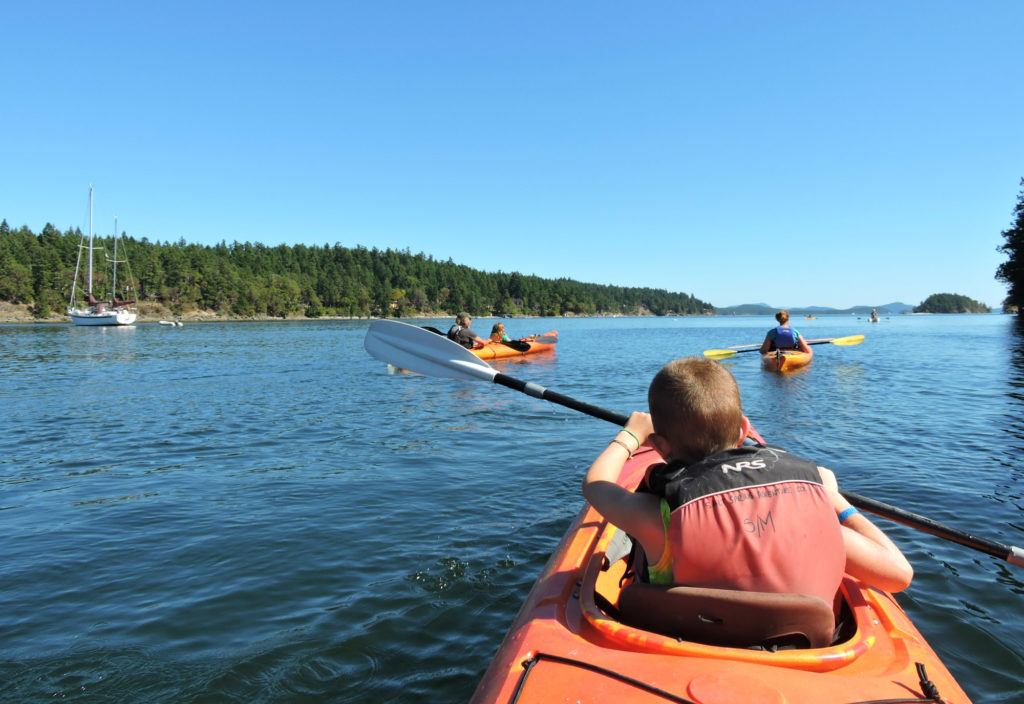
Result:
pixel 116 310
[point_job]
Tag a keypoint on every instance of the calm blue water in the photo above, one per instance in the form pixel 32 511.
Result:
pixel 260 513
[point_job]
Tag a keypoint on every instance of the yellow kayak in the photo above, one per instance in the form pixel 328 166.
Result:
pixel 783 361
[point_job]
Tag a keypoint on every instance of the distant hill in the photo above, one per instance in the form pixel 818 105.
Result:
pixel 746 309
pixel 896 308
pixel 763 309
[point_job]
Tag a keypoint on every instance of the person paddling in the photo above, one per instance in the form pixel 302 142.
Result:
pixel 784 337
pixel 461 332
pixel 721 516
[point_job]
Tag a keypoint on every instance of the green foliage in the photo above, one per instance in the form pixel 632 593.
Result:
pixel 247 279
pixel 1012 270
pixel 951 303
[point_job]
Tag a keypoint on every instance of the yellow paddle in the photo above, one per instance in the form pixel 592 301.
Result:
pixel 841 341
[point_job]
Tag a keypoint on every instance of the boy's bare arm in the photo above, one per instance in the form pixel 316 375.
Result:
pixel 637 514
pixel 870 555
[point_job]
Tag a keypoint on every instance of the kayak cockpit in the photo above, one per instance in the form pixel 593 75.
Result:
pixel 729 618
pixel 788 631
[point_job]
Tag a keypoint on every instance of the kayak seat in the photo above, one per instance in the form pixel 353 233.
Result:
pixel 727 617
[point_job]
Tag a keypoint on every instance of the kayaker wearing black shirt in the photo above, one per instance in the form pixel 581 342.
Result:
pixel 461 332
pixel 726 517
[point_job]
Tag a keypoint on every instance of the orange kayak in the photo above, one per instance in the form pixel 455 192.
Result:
pixel 786 360
pixel 518 348
pixel 565 646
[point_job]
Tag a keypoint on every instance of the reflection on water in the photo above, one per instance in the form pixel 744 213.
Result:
pixel 1016 355
pixel 849 375
pixel 526 364
pixel 1015 411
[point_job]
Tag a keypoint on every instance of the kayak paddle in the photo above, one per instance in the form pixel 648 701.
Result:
pixel 409 347
pixel 840 341
pixel 517 345
pixel 421 351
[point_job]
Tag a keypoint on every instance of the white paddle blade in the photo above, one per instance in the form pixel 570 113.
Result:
pixel 424 352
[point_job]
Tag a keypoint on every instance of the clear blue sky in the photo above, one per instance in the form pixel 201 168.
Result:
pixel 790 153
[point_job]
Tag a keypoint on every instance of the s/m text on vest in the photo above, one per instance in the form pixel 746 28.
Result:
pixel 760 526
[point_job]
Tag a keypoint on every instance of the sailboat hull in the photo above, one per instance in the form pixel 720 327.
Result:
pixel 107 317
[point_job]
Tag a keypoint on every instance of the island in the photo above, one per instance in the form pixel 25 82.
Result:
pixel 951 303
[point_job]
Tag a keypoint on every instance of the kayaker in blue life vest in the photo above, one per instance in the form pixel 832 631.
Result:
pixel 721 516
pixel 461 332
pixel 784 337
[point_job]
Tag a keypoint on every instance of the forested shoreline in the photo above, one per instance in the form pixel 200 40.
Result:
pixel 248 280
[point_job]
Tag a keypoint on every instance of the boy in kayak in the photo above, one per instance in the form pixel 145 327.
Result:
pixel 461 332
pixel 784 337
pixel 721 516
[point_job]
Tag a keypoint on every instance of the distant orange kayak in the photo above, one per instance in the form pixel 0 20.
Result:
pixel 518 348
pixel 567 645
pixel 785 360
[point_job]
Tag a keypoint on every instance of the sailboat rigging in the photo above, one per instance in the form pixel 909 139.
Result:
pixel 117 310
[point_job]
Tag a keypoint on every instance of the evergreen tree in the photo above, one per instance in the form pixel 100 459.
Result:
pixel 1012 270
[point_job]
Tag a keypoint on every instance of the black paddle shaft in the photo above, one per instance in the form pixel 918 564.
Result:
pixel 538 391
pixel 927 525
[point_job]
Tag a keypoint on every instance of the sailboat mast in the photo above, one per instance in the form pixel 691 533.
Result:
pixel 113 293
pixel 89 291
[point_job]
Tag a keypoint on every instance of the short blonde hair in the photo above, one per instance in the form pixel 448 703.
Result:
pixel 695 407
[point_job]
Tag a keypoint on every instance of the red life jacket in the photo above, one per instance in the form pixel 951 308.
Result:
pixel 752 518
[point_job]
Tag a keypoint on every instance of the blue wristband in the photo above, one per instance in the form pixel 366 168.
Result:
pixel 846 513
